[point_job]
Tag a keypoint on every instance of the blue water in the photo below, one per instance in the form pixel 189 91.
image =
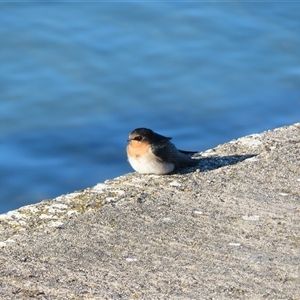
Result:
pixel 76 78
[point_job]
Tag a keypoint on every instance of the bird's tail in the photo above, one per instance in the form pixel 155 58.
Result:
pixel 188 152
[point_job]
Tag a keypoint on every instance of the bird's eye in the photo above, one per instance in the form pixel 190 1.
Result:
pixel 138 138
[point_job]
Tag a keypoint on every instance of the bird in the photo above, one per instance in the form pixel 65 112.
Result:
pixel 151 153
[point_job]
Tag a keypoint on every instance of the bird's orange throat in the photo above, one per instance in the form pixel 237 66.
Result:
pixel 137 148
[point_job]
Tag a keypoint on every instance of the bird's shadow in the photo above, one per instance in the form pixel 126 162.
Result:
pixel 214 162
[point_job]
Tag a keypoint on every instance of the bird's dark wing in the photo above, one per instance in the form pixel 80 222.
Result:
pixel 167 151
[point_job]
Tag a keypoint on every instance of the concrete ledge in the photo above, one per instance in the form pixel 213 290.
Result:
pixel 229 231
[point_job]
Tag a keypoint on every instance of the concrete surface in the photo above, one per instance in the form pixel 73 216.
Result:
pixel 229 231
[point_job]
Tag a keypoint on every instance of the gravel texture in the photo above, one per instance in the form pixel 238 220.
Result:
pixel 229 229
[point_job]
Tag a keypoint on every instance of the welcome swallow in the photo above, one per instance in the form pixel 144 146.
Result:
pixel 151 153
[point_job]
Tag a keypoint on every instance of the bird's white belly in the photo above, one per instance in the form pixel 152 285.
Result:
pixel 149 164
